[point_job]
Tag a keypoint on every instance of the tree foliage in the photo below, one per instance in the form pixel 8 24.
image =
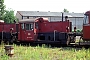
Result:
pixel 9 16
pixel 2 9
pixel 65 10
pixel 6 15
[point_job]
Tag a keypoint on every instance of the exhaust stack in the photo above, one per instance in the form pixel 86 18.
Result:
pixel 62 16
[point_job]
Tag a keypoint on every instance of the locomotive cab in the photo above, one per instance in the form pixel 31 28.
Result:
pixel 26 30
pixel 29 29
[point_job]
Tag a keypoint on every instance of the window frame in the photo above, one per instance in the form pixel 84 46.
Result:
pixel 86 19
pixel 22 26
pixel 36 25
pixel 30 26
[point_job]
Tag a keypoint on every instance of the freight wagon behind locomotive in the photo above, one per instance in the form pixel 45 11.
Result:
pixel 6 31
pixel 86 26
pixel 36 30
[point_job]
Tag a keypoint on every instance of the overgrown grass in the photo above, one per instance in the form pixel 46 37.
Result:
pixel 43 53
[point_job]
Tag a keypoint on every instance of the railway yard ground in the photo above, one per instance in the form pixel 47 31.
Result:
pixel 44 52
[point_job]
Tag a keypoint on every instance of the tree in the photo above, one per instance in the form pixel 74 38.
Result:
pixel 2 9
pixel 9 16
pixel 65 10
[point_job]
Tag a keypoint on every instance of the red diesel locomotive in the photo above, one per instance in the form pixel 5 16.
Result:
pixel 37 30
pixel 41 30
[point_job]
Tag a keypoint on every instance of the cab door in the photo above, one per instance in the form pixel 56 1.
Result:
pixel 29 32
pixel 21 32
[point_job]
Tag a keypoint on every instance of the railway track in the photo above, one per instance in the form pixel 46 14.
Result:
pixel 72 45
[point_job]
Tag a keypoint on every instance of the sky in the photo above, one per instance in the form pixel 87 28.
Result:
pixel 77 6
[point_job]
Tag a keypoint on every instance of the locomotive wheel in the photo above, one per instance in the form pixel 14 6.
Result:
pixel 72 39
pixel 12 40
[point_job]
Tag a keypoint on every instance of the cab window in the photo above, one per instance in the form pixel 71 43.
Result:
pixel 22 25
pixel 86 20
pixel 29 26
pixel 36 25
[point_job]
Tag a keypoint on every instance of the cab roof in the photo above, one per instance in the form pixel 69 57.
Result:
pixel 26 20
pixel 33 20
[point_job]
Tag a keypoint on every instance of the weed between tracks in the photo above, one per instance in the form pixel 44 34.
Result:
pixel 45 53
